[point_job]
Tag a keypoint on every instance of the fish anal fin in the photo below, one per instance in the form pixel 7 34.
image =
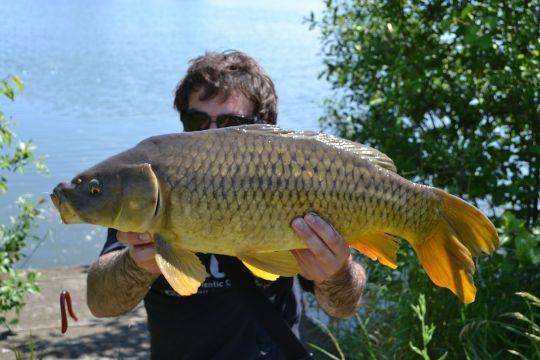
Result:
pixel 281 263
pixel 378 246
pixel 182 268
pixel 260 273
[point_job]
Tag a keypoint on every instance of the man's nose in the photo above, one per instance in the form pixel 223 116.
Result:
pixel 213 124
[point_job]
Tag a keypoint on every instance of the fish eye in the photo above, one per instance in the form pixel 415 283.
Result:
pixel 77 181
pixel 94 186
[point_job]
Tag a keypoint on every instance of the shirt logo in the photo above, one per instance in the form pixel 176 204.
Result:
pixel 214 269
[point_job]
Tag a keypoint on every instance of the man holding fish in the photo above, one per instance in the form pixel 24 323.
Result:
pixel 221 90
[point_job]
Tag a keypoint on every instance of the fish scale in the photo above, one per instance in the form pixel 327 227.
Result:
pixel 234 191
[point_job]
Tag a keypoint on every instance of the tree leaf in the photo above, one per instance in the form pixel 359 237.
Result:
pixel 466 12
pixel 18 83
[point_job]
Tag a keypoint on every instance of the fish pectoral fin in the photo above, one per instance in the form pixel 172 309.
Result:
pixel 378 246
pixel 182 268
pixel 270 265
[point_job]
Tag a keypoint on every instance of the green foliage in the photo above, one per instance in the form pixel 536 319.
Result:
pixel 510 271
pixel 427 330
pixel 526 244
pixel 15 283
pixel 23 152
pixel 335 342
pixel 31 354
pixel 448 89
pixel 527 326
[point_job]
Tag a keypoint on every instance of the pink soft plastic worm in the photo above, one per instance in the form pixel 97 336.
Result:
pixel 66 298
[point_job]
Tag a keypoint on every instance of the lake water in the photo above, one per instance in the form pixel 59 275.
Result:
pixel 100 75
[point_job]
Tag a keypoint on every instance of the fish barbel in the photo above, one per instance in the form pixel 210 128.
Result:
pixel 234 191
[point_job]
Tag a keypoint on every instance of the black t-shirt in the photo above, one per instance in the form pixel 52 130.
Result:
pixel 215 323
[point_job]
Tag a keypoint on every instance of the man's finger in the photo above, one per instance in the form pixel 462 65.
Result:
pixel 330 236
pixel 325 231
pixel 314 243
pixel 309 266
pixel 133 238
pixel 144 257
pixel 142 253
pixel 306 274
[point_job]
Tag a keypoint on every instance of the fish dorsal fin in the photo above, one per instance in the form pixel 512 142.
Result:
pixel 182 268
pixel 263 129
pixel 281 263
pixel 367 152
pixel 375 156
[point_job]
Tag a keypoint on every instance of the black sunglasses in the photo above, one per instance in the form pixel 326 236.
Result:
pixel 195 120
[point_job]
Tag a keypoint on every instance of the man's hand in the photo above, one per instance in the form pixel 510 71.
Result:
pixel 118 280
pixel 327 252
pixel 339 281
pixel 141 249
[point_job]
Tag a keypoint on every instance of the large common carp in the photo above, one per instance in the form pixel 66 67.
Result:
pixel 234 191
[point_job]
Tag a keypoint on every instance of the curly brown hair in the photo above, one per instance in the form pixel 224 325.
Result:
pixel 225 73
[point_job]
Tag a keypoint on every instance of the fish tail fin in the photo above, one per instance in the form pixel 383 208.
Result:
pixel 446 253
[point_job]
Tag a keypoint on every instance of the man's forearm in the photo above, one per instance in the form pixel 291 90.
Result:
pixel 115 284
pixel 340 296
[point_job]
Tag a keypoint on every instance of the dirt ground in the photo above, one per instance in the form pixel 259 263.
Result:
pixel 123 337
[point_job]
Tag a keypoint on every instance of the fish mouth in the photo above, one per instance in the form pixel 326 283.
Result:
pixel 56 200
pixel 67 214
pixel 58 205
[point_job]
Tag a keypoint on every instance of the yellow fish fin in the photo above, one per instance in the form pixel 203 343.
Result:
pixel 474 230
pixel 281 263
pixel 447 262
pixel 338 144
pixel 261 273
pixel 446 253
pixel 378 246
pixel 373 155
pixel 182 268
